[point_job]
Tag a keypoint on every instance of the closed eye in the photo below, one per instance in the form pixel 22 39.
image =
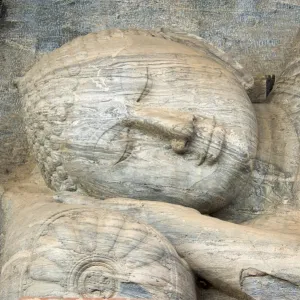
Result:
pixel 128 149
pixel 146 88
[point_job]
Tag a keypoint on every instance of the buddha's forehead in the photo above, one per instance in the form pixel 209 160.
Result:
pixel 101 77
pixel 176 81
pixel 109 90
pixel 117 68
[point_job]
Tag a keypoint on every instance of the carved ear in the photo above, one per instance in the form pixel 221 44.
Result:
pixel 199 44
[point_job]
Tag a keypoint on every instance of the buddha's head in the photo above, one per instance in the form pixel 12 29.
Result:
pixel 144 115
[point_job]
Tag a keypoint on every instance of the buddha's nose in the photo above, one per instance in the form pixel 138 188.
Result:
pixel 176 126
pixel 185 131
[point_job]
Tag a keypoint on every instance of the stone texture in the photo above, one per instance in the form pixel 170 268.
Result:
pixel 69 251
pixel 257 34
pixel 210 246
pixel 137 98
pixel 277 166
pixel 264 286
pixel 258 259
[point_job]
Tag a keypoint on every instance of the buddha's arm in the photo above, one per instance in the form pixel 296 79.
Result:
pixel 223 253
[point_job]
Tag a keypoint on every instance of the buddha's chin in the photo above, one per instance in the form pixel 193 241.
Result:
pixel 155 172
pixel 206 188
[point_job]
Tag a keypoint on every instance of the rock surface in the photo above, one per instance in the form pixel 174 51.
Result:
pixel 257 34
pixel 263 267
pixel 125 100
pixel 71 251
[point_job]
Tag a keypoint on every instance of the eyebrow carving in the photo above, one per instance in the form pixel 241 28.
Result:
pixel 146 89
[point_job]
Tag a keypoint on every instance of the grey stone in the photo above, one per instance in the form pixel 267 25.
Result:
pixel 257 34
pixel 252 150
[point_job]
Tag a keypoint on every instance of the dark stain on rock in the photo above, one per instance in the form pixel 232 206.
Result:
pixel 270 81
pixel 3 11
pixel 132 289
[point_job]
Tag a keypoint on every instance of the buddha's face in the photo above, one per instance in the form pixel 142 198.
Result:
pixel 172 126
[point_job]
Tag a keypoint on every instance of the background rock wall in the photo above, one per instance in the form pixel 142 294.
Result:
pixel 258 33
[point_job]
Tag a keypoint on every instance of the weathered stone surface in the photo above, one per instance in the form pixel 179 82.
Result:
pixel 260 285
pixel 55 298
pixel 70 251
pixel 257 33
pixel 213 294
pixel 275 181
pixel 258 176
pixel 210 245
pixel 127 99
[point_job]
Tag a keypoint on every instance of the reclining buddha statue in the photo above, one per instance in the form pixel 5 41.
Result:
pixel 160 172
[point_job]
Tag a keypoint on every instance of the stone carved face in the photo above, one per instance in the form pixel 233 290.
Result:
pixel 141 116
